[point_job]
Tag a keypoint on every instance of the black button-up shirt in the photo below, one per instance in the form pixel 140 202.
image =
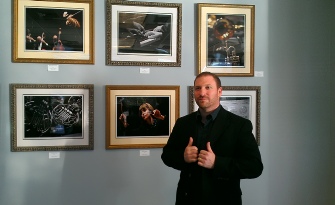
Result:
pixel 203 129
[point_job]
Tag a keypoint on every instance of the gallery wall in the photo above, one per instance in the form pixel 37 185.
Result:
pixel 293 50
pixel 332 66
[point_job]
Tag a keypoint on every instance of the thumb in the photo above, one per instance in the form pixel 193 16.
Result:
pixel 209 148
pixel 190 142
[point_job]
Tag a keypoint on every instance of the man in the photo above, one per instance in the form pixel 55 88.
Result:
pixel 30 41
pixel 40 43
pixel 212 148
pixel 57 43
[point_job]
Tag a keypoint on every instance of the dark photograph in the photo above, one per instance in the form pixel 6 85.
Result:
pixel 225 40
pixel 53 116
pixel 143 33
pixel 50 29
pixel 143 116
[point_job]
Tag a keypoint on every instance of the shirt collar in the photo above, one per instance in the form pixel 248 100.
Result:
pixel 213 114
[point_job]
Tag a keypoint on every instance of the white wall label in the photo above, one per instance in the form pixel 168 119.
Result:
pixel 53 68
pixel 144 153
pixel 259 74
pixel 54 155
pixel 145 70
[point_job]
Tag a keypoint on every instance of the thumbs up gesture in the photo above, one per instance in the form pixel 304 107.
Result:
pixel 191 152
pixel 207 158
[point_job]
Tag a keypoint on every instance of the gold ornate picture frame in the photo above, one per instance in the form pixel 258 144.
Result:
pixel 127 111
pixel 226 35
pixel 53 31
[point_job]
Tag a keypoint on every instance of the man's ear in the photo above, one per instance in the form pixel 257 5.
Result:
pixel 220 91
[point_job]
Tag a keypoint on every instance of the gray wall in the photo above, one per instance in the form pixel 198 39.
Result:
pixel 293 47
pixel 332 121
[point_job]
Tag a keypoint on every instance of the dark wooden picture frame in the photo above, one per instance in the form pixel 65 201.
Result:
pixel 143 33
pixel 244 101
pixel 52 117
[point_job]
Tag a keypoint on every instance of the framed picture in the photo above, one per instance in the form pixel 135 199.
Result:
pixel 143 33
pixel 53 31
pixel 244 101
pixel 51 117
pixel 226 39
pixel 140 116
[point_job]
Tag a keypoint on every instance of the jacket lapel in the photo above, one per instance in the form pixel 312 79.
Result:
pixel 193 128
pixel 220 123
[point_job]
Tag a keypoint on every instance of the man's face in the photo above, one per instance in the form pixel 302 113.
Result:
pixel 55 39
pixel 206 93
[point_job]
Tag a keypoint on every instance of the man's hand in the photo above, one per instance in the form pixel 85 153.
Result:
pixel 191 152
pixel 157 114
pixel 153 34
pixel 206 158
pixel 123 119
pixel 158 29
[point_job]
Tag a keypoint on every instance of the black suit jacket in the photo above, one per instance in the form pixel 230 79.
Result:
pixel 237 157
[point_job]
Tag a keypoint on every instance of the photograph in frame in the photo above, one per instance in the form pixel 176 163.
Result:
pixel 143 33
pixel 243 101
pixel 140 116
pixel 47 117
pixel 53 32
pixel 226 39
